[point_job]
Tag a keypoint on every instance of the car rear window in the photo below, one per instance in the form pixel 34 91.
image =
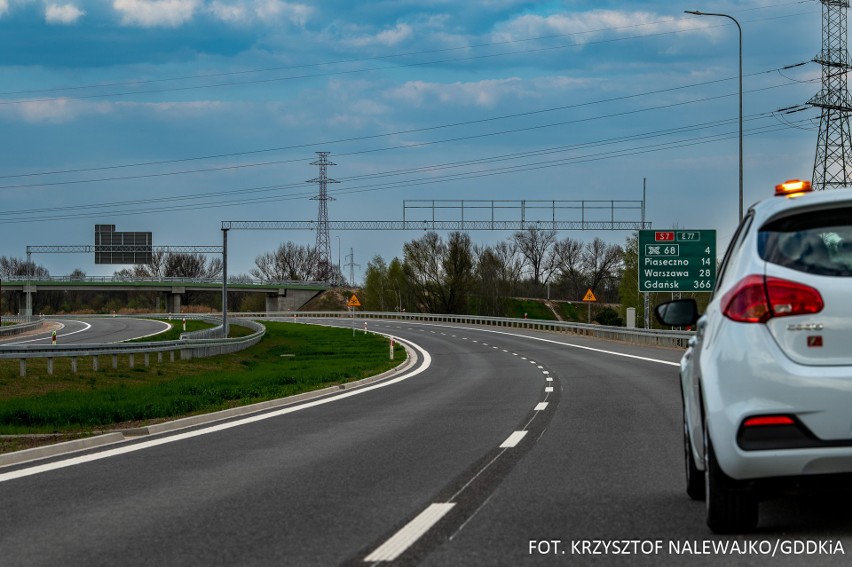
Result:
pixel 816 242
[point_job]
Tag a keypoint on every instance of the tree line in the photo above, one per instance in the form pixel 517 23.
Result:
pixel 434 274
pixel 456 276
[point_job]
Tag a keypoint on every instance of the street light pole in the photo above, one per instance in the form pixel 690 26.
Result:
pixel 733 19
pixel 339 268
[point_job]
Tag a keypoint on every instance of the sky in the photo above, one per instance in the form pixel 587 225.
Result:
pixel 172 116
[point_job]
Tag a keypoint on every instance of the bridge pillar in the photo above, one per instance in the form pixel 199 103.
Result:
pixel 288 299
pixel 29 291
pixel 277 302
pixel 175 299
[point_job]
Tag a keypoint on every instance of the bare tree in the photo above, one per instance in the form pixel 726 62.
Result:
pixel 185 266
pixel 290 261
pixel 458 273
pixel 602 264
pixel 422 268
pixel 511 262
pixel 17 267
pixel 498 270
pixel 440 275
pixel 568 254
pixel 378 295
pixel 536 246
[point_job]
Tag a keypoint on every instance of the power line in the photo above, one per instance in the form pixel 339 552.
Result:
pixel 356 60
pixel 393 173
pixel 394 133
pixel 405 146
pixel 679 144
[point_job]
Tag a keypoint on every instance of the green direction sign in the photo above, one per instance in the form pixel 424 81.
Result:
pixel 677 260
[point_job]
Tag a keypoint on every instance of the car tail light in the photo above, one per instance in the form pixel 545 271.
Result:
pixel 775 431
pixel 756 299
pixel 765 420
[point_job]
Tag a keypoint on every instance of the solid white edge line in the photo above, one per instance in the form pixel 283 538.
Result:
pixel 29 471
pixel 168 326
pixel 58 336
pixel 603 351
pixel 513 439
pixel 410 533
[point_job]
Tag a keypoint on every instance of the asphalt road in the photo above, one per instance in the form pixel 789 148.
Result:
pixel 94 330
pixel 434 467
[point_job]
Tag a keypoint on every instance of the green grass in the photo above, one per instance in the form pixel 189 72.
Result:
pixel 174 333
pixel 533 309
pixel 569 311
pixel 103 399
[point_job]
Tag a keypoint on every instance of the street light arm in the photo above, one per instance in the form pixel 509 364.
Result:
pixel 700 13
pixel 740 29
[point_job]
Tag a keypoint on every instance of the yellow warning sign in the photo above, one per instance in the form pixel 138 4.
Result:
pixel 589 296
pixel 353 302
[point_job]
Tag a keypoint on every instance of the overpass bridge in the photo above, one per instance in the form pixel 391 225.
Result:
pixel 280 295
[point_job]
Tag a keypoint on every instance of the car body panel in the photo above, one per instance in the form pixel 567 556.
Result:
pixel 733 371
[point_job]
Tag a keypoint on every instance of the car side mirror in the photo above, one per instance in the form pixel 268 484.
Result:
pixel 677 313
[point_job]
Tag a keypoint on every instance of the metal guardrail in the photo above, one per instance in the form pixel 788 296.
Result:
pixel 649 337
pixel 19 329
pixel 192 345
pixel 188 348
pixel 169 280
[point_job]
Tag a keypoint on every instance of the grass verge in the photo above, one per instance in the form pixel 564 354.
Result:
pixel 176 330
pixel 291 358
pixel 533 309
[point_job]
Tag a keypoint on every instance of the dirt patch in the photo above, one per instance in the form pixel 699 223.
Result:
pixel 47 328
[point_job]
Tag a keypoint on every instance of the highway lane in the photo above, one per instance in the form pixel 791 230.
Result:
pixel 94 330
pixel 306 488
pixel 335 483
pixel 609 471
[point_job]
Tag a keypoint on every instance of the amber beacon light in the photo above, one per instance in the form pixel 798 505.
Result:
pixel 792 188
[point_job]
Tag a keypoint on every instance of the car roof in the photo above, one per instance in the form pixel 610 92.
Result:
pixel 774 206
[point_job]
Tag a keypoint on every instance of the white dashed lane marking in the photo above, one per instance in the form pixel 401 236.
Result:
pixel 410 533
pixel 513 440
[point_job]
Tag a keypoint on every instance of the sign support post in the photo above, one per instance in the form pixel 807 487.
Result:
pixel 352 304
pixel 589 298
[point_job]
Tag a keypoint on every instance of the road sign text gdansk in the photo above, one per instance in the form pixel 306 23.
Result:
pixel 677 260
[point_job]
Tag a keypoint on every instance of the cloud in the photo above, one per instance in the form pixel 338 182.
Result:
pixel 584 26
pixel 480 93
pixel 295 13
pixel 388 37
pixel 65 110
pixel 231 13
pixel 4 6
pixel 156 13
pixel 65 14
pixel 175 110
pixel 261 11
pixel 53 111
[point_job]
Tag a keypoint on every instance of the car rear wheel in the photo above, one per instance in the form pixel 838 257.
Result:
pixel 732 506
pixel 694 477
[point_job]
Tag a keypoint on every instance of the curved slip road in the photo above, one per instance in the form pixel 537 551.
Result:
pixel 95 330
pixel 433 469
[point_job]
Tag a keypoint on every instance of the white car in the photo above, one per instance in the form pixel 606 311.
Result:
pixel 767 380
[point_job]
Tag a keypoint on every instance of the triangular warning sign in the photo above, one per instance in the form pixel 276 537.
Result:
pixel 589 296
pixel 353 302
